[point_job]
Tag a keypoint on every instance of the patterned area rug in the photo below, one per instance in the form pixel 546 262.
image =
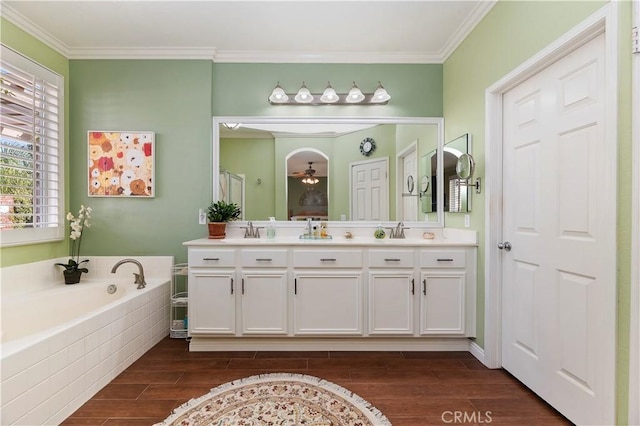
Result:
pixel 277 399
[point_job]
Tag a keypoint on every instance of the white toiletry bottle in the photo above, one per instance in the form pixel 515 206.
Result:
pixel 271 228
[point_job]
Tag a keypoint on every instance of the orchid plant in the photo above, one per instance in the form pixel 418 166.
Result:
pixel 77 225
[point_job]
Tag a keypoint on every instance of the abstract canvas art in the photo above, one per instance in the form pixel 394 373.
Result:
pixel 121 164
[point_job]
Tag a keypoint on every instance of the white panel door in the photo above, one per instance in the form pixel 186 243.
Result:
pixel 370 190
pixel 558 275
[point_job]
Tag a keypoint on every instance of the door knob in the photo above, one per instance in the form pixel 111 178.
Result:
pixel 506 246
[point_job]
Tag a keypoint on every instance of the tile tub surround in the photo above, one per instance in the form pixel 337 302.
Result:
pixel 48 376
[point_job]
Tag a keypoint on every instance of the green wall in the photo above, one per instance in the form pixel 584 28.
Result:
pixel 171 98
pixel 511 33
pixel 13 37
pixel 243 89
pixel 255 159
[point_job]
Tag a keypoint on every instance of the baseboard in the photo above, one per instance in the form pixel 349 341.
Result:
pixel 477 351
pixel 202 344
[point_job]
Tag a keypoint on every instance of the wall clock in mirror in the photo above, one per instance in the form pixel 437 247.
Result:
pixel 367 146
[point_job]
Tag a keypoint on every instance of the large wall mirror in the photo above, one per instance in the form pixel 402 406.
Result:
pixel 337 169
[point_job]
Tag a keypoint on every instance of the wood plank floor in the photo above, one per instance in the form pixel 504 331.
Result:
pixel 410 388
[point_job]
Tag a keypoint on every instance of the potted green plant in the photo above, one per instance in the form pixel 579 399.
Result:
pixel 219 213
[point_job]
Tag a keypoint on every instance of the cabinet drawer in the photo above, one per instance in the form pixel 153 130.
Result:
pixel 207 257
pixel 391 258
pixel 443 259
pixel 263 258
pixel 327 258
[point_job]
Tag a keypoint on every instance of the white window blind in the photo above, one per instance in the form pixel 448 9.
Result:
pixel 455 203
pixel 31 141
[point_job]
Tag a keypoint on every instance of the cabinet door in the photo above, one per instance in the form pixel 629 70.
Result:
pixel 264 302
pixel 391 299
pixel 212 302
pixel 328 303
pixel 442 302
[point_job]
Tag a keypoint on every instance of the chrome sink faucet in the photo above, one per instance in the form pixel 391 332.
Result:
pixel 398 231
pixel 251 231
pixel 139 278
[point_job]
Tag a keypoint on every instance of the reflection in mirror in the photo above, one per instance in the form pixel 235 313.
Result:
pixel 232 189
pixel 307 185
pixel 457 195
pixel 263 149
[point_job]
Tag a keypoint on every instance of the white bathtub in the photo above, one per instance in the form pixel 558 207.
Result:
pixel 62 343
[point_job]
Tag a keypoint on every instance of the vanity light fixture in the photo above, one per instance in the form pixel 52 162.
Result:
pixel 278 96
pixel 304 96
pixel 232 126
pixel 380 95
pixel 355 95
pixel 329 96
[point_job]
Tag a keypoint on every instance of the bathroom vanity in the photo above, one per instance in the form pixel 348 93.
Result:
pixel 333 294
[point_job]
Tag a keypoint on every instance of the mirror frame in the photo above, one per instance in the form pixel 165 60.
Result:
pixel 437 121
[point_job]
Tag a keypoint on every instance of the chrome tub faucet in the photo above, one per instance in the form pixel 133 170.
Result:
pixel 139 277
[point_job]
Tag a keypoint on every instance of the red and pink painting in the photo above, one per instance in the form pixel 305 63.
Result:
pixel 121 164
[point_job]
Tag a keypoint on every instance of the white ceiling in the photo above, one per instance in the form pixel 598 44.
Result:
pixel 322 31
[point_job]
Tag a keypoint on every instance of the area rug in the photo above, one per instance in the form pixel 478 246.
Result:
pixel 277 399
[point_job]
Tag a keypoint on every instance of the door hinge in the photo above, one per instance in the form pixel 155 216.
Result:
pixel 635 42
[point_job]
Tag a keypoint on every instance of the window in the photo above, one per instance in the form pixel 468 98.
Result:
pixel 31 148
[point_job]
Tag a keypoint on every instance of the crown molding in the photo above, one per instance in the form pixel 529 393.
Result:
pixel 336 57
pixel 230 56
pixel 473 19
pixel 208 53
pixel 36 31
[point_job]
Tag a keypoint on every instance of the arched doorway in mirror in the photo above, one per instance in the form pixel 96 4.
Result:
pixel 307 184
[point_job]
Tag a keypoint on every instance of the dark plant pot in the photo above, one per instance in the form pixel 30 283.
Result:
pixel 72 277
pixel 217 230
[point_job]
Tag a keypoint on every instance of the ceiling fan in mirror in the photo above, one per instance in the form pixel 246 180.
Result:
pixel 308 176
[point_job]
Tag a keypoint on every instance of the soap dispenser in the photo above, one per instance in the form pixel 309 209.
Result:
pixel 271 228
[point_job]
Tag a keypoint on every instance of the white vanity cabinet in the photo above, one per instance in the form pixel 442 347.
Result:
pixel 391 289
pixel 447 292
pixel 212 292
pixel 263 292
pixel 347 295
pixel 327 293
